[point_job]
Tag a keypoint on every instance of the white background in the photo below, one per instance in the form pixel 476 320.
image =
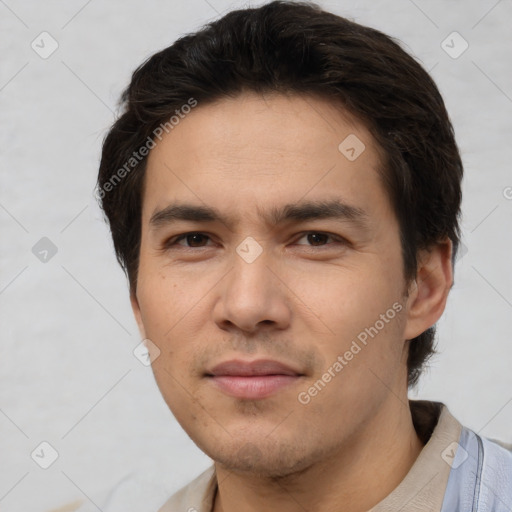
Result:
pixel 68 375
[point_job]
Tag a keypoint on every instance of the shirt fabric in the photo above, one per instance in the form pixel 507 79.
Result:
pixel 456 471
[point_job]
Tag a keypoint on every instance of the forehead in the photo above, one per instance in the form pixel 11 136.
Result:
pixel 272 121
pixel 252 150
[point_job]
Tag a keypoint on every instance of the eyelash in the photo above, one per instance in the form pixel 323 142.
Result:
pixel 173 242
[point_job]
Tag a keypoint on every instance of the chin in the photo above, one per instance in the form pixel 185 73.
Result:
pixel 265 459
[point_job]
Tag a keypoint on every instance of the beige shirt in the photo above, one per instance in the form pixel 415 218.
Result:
pixel 422 489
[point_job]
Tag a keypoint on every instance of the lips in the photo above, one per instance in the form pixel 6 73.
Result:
pixel 252 379
pixel 251 368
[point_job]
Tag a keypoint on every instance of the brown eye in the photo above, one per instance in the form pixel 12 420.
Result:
pixel 193 240
pixel 319 238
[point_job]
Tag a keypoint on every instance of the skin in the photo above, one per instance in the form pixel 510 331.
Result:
pixel 302 301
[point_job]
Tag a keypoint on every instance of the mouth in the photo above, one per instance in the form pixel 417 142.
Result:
pixel 252 380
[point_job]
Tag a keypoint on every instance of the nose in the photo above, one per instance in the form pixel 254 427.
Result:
pixel 252 295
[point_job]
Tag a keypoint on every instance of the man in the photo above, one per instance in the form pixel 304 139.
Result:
pixel 283 191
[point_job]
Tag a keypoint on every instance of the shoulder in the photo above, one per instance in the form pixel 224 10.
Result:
pixel 489 454
pixel 198 495
pixel 497 465
pixel 481 475
pixel 506 446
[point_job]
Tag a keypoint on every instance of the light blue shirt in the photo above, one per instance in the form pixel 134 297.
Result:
pixel 481 476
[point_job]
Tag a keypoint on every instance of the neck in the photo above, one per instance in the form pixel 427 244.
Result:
pixel 358 475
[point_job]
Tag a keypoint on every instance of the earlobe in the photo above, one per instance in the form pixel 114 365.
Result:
pixel 137 314
pixel 429 293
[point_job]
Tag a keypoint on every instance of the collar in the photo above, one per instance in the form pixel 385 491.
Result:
pixel 422 489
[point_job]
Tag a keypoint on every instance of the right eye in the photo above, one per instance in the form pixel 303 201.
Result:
pixel 191 238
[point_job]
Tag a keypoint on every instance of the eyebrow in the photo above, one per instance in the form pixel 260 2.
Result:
pixel 298 212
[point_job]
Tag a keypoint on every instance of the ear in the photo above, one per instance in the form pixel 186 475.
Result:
pixel 429 291
pixel 136 312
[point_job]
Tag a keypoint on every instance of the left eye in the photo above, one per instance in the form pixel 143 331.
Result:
pixel 318 237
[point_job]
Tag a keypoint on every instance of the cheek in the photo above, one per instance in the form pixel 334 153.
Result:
pixel 346 301
pixel 173 312
pixel 164 298
pixel 362 323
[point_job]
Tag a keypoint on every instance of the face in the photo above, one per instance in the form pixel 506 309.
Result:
pixel 275 294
